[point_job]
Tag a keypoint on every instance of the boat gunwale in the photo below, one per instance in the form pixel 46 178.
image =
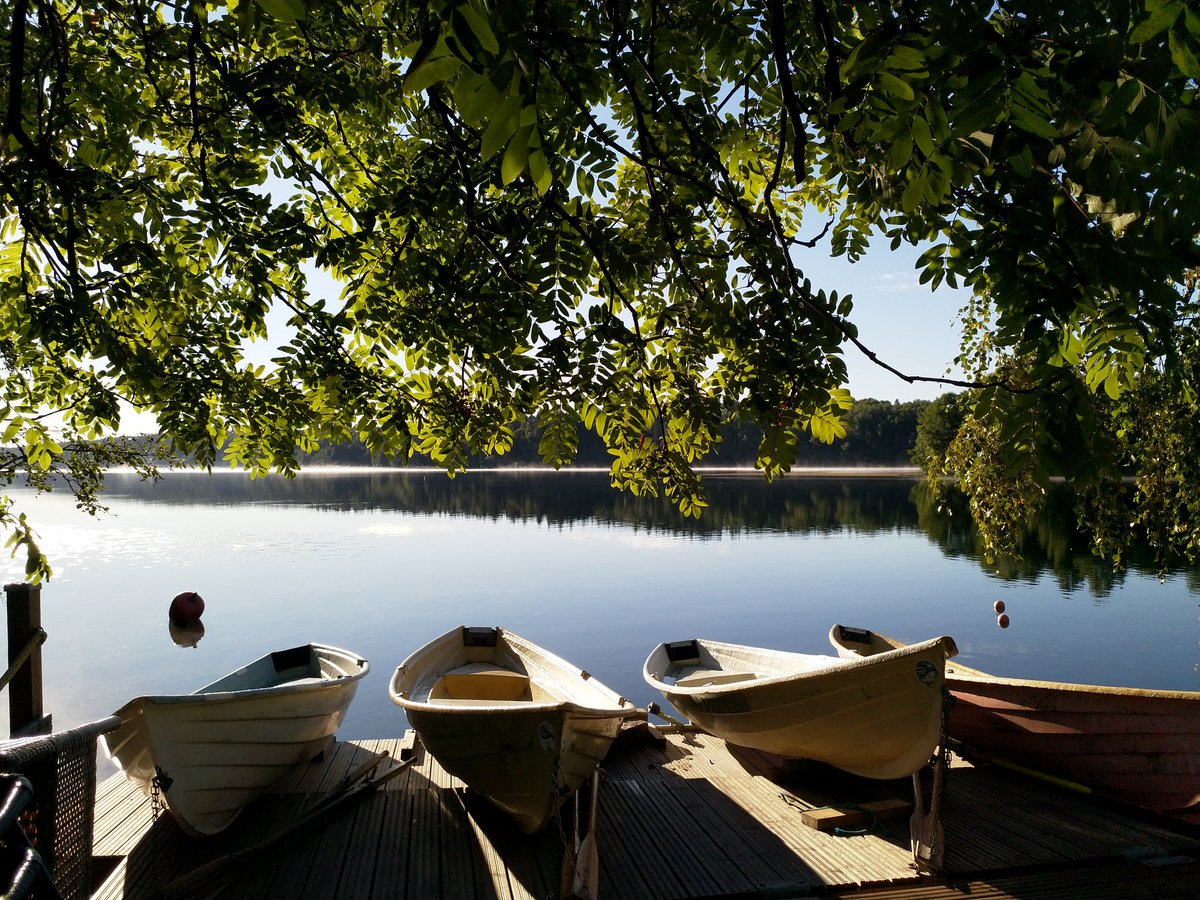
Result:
pixel 982 678
pixel 960 673
pixel 842 665
pixel 297 686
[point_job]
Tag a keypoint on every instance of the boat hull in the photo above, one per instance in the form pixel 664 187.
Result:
pixel 208 754
pixel 881 719
pixel 526 754
pixel 1136 746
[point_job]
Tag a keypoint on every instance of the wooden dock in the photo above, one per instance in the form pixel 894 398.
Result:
pixel 680 816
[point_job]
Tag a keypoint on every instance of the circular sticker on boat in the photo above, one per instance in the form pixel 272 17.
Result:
pixel 926 672
pixel 546 736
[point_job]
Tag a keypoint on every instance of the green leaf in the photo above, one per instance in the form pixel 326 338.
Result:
pixel 934 252
pixel 905 56
pixel 1182 55
pixel 480 28
pixel 900 152
pixel 1192 22
pixel 431 72
pixel 913 194
pixel 921 135
pixel 10 260
pixel 515 157
pixel 478 98
pixel 1157 22
pixel 897 87
pixel 1032 122
pixel 827 426
pixel 1022 162
pixel 283 10
pixel 539 171
pixel 502 127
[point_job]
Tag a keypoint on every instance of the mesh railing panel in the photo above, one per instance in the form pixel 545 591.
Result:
pixel 62 769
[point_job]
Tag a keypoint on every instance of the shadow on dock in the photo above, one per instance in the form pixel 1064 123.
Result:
pixel 681 816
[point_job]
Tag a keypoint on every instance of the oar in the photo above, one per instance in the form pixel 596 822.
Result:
pixel 926 829
pixel 1065 783
pixel 936 839
pixel 190 884
pixel 678 724
pixel 587 862
pixel 357 774
pixel 917 820
pixel 566 882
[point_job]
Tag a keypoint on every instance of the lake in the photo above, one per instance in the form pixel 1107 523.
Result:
pixel 381 561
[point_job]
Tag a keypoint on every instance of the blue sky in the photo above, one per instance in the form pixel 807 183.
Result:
pixel 906 324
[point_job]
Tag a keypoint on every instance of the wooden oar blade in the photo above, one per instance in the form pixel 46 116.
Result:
pixel 566 882
pixel 587 862
pixel 925 828
pixel 929 845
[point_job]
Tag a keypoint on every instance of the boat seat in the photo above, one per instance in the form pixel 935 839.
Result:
pixel 474 703
pixel 707 677
pixel 482 681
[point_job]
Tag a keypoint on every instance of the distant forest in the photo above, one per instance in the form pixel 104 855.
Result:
pixel 879 433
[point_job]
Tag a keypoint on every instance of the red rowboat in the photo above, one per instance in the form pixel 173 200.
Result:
pixel 1137 746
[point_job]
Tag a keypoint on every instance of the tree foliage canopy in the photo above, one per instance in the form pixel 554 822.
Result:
pixel 600 213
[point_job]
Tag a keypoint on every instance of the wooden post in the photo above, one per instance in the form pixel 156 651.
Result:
pixel 25 713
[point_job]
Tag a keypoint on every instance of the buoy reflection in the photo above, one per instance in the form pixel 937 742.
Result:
pixel 186 635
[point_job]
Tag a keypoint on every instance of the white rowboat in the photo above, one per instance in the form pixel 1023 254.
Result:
pixel 878 718
pixel 514 722
pixel 207 754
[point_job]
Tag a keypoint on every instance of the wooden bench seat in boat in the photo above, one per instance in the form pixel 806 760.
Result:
pixel 482 681
pixel 707 677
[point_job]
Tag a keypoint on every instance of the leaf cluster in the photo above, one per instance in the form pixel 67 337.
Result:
pixel 598 214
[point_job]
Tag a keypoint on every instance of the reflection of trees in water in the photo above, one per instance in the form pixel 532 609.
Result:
pixel 739 504
pixel 1052 543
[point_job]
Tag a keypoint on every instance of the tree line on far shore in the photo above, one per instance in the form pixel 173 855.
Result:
pixel 878 433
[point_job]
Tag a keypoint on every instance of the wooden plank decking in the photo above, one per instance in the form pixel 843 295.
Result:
pixel 684 817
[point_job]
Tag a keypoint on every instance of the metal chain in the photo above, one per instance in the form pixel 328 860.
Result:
pixel 157 805
pixel 158 784
pixel 944 738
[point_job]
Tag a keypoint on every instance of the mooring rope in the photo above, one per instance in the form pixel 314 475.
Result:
pixel 35 640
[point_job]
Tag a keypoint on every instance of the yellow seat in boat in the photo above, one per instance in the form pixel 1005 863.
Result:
pixel 482 681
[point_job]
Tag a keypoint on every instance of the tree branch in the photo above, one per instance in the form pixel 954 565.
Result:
pixel 791 103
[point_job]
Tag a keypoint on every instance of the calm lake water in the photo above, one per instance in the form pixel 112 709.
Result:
pixel 380 562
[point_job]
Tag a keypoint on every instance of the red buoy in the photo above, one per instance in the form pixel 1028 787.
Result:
pixel 1002 620
pixel 998 606
pixel 186 608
